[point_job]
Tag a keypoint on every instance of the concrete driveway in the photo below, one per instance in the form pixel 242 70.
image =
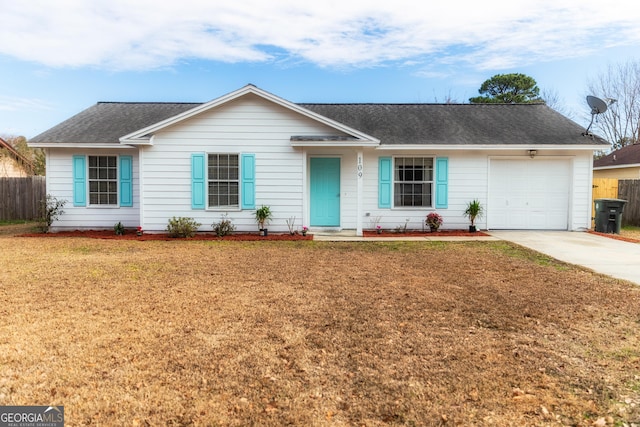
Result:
pixel 601 254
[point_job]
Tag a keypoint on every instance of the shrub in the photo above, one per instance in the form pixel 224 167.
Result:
pixel 118 229
pixel 50 210
pixel 434 220
pixel 182 227
pixel 224 226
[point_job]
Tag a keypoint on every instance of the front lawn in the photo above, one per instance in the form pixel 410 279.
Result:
pixel 314 333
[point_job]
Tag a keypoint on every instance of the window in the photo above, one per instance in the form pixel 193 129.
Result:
pixel 103 180
pixel 413 182
pixel 223 180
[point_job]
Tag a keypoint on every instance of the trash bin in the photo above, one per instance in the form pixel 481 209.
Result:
pixel 609 215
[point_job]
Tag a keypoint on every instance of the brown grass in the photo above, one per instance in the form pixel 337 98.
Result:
pixel 313 333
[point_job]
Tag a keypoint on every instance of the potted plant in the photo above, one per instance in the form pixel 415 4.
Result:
pixel 305 229
pixel 473 211
pixel 263 216
pixel 434 221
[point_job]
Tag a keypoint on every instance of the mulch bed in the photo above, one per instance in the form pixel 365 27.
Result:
pixel 110 235
pixel 417 233
pixel 615 236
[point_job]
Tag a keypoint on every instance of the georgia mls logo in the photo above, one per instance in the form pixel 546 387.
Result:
pixel 31 416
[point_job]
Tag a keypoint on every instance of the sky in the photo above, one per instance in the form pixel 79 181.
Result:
pixel 59 57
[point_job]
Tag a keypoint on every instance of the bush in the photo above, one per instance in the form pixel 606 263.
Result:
pixel 119 229
pixel 224 226
pixel 50 210
pixel 182 227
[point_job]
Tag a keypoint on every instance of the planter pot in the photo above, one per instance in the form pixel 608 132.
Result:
pixel 433 229
pixel 304 233
pixel 379 231
pixel 264 232
pixel 472 229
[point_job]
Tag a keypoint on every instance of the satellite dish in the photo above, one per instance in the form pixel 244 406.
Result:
pixel 597 105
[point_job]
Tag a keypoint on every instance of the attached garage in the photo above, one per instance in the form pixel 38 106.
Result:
pixel 529 194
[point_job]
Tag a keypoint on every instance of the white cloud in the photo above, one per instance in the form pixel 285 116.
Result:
pixel 146 34
pixel 12 103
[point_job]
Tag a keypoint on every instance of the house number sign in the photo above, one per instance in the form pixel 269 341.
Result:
pixel 360 166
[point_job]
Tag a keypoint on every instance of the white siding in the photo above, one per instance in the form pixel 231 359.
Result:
pixel 249 125
pixel 60 185
pixel 252 125
pixel 468 180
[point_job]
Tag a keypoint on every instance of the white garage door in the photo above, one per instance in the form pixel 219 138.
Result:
pixel 531 194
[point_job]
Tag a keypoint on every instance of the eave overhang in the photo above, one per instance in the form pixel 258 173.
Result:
pixel 630 165
pixel 486 147
pixel 331 141
pixel 93 145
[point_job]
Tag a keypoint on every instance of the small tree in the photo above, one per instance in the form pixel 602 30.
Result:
pixel 508 88
pixel 49 211
pixel 263 216
pixel 473 211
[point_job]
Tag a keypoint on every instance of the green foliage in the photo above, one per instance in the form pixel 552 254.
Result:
pixel 182 227
pixel 474 210
pixel 263 216
pixel 118 229
pixel 49 211
pixel 508 88
pixel 224 226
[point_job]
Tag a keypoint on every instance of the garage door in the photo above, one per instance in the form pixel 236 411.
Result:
pixel 531 194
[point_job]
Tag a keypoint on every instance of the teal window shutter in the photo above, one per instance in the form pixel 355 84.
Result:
pixel 248 181
pixel 126 181
pixel 385 174
pixel 79 181
pixel 442 182
pixel 198 181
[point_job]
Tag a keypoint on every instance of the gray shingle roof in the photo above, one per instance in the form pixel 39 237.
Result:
pixel 474 124
pixel 628 155
pixel 106 122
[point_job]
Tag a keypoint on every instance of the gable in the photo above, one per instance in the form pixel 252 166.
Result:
pixel 145 135
pixel 246 119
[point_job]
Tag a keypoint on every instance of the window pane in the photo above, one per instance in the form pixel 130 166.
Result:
pixel 413 181
pixel 223 180
pixel 103 180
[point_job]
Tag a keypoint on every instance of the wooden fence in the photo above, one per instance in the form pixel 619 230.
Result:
pixel 20 197
pixel 625 189
pixel 629 190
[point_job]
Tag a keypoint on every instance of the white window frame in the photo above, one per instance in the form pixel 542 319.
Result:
pixel 99 180
pixel 430 183
pixel 237 180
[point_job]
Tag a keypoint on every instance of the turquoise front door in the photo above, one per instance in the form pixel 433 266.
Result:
pixel 324 192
